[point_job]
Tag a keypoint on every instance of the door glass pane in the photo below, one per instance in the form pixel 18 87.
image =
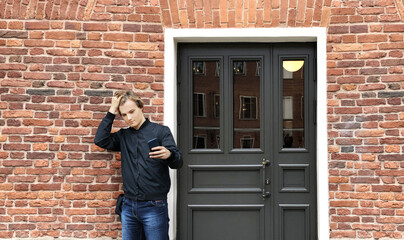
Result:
pixel 206 104
pixel 293 103
pixel 246 103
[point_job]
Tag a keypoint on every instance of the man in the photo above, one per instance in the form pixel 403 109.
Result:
pixel 145 172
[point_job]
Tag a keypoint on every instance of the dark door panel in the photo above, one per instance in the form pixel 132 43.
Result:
pixel 247 135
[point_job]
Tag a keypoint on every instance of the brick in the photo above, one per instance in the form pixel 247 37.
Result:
pixel 101 93
pixel 18 114
pixel 98 156
pixel 75 147
pixel 95 77
pixel 120 70
pixel 338 29
pixel 17 130
pixel 59 68
pixel 80 196
pixel 39 155
pixel 13 34
pixel 15 83
pixel 16 226
pixel 46 60
pixel 386 188
pixel 61 52
pixel 390 94
pixel 350 125
pixel 80 227
pixel 397 124
pixel 4 66
pixel 119 54
pixel 97 61
pixel 131 27
pixel 104 187
pixel 386 46
pixel 347 47
pixel 95 27
pixel 46 187
pixel 143 46
pixel 372 55
pixel 75 131
pixel 365 180
pixel 152 28
pixel 118 86
pixel 369 149
pixel 358 28
pixel 118 37
pixel 393 78
pixel 60 35
pixel 372 38
pixel 43 25
pixel 45 92
pixel 353 110
pixel 60 84
pixel 391 157
pixel 368 196
pixel 76 115
pixel 71 212
pixel 393 28
pixel 94 44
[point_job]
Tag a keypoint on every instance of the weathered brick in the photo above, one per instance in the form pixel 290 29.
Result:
pixel 101 93
pixel 45 92
pixel 131 27
pixel 14 34
pixel 118 37
pixel 39 155
pixel 74 115
pixel 95 27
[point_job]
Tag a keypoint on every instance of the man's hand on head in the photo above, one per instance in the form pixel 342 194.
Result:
pixel 115 104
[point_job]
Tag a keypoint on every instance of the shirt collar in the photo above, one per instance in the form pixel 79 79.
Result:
pixel 144 124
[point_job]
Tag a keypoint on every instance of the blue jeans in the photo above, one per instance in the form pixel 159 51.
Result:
pixel 144 220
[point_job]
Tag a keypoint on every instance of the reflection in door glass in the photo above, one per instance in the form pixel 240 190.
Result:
pixel 246 103
pixel 293 104
pixel 206 104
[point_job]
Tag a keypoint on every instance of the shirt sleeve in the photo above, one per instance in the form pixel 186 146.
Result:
pixel 175 159
pixel 104 138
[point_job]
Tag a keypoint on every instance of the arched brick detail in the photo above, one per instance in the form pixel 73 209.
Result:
pixel 240 14
pixel 400 8
pixel 93 10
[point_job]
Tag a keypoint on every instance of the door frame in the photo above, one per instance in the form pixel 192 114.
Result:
pixel 262 35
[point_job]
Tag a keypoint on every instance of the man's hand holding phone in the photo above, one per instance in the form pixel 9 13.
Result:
pixel 156 151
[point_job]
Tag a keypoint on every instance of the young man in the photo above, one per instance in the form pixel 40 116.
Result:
pixel 145 172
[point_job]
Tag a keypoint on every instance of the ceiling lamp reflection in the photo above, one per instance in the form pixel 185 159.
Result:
pixel 293 66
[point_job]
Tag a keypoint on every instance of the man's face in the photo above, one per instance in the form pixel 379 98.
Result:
pixel 132 114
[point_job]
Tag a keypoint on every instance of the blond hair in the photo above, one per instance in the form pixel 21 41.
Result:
pixel 128 95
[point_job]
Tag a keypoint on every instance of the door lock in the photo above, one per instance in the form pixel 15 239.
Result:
pixel 266 195
pixel 265 180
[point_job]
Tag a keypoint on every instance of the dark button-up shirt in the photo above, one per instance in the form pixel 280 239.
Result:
pixel 144 178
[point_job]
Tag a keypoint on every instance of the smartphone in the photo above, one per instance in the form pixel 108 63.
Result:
pixel 153 143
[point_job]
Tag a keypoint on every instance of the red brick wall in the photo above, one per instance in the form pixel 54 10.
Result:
pixel 60 62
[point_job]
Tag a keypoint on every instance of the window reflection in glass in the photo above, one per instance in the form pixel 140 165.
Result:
pixel 246 103
pixel 206 104
pixel 293 104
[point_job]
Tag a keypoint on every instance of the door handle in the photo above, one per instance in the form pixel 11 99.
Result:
pixel 265 181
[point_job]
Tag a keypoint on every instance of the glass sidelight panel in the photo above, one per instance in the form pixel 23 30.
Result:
pixel 206 104
pixel 246 103
pixel 293 103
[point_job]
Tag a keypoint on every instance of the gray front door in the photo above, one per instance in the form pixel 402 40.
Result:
pixel 247 134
